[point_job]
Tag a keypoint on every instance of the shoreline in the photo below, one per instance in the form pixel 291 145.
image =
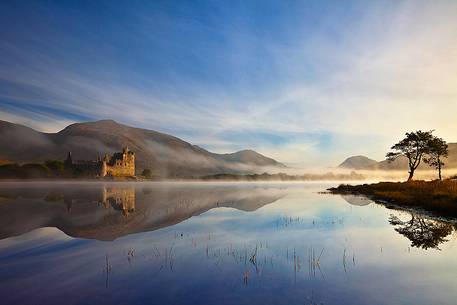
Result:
pixel 437 199
pixel 190 181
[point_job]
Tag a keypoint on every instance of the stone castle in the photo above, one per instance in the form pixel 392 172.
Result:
pixel 120 164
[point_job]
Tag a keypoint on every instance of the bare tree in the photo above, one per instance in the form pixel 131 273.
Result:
pixel 438 150
pixel 414 146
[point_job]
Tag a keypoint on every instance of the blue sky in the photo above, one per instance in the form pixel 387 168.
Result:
pixel 306 82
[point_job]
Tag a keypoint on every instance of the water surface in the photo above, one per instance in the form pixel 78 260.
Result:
pixel 217 243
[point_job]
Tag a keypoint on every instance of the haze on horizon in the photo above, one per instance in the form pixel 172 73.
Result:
pixel 304 82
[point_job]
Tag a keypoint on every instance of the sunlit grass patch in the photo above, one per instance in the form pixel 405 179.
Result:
pixel 435 196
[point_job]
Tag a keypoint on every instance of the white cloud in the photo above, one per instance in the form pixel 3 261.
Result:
pixel 391 72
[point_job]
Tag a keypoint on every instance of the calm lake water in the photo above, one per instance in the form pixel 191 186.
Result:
pixel 217 243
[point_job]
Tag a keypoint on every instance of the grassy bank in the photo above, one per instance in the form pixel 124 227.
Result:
pixel 438 197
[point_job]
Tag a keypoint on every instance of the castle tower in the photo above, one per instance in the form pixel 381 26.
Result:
pixel 68 163
pixel 130 161
pixel 104 166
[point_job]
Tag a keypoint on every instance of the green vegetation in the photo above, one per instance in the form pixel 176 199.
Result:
pixel 436 196
pixel 29 170
pixel 48 169
pixel 147 173
pixel 439 197
pixel 55 165
pixel 438 149
pixel 417 146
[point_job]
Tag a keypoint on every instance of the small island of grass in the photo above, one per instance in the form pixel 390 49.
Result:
pixel 438 196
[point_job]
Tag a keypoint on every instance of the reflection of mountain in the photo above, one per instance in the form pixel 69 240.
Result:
pixel 423 232
pixel 356 200
pixel 106 212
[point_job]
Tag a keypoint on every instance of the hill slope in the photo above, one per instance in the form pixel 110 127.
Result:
pixel 165 154
pixel 401 163
pixel 358 162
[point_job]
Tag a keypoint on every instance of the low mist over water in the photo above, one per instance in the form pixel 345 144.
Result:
pixel 217 243
pixel 228 152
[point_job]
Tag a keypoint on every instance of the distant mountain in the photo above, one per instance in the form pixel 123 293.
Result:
pixel 401 163
pixel 358 162
pixel 249 157
pixel 166 155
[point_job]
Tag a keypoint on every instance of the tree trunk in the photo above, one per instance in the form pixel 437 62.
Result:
pixel 439 170
pixel 411 174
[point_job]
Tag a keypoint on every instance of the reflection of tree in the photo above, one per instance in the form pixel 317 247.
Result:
pixel 423 232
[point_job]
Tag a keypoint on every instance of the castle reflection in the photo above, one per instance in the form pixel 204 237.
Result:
pixel 106 211
pixel 120 198
pixel 304 242
pixel 115 197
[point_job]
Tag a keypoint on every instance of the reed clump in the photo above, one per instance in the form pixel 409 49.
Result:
pixel 439 197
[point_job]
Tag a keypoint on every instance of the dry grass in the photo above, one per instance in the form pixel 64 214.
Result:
pixel 436 196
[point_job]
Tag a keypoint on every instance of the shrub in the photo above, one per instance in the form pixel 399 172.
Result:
pixel 147 173
pixel 35 170
pixel 55 165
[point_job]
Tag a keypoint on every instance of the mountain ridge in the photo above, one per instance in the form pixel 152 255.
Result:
pixel 361 162
pixel 165 154
pixel 358 162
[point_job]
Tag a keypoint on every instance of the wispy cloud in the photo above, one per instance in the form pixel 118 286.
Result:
pixel 374 71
